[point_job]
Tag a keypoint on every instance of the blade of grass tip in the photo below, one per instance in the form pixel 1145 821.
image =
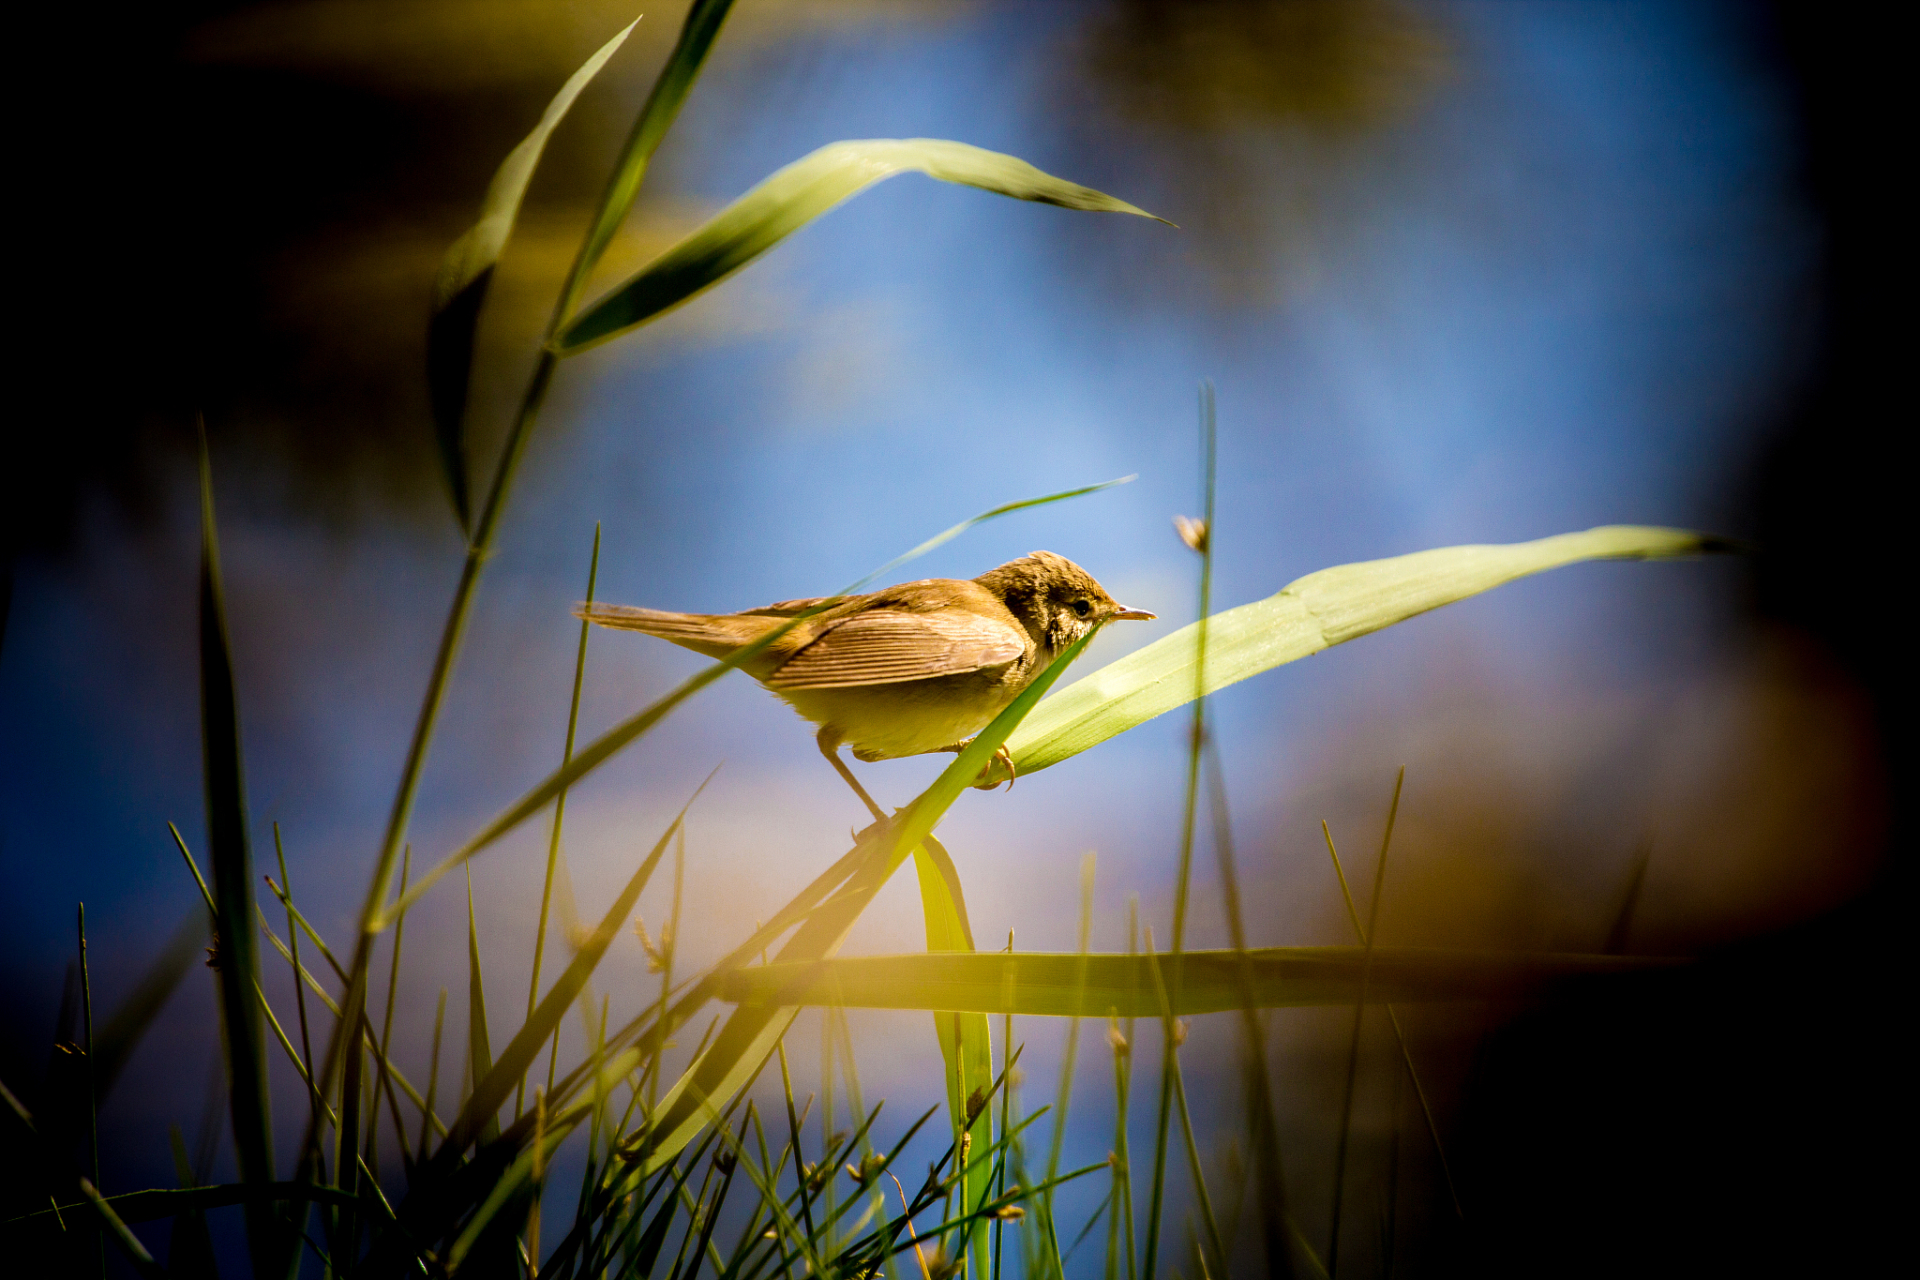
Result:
pixel 232 862
pixel 560 801
pixel 793 1137
pixel 433 1078
pixel 603 748
pixel 466 272
pixel 315 1102
pixel 93 1104
pixel 1257 1085
pixel 479 1044
pixel 1400 1039
pixel 1629 900
pixel 669 942
pixel 1353 1043
pixel 393 993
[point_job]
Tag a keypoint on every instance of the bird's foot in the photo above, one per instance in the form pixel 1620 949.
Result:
pixel 1001 757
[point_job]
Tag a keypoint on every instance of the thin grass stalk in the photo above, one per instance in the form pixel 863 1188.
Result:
pixel 93 1103
pixel 1359 1012
pixel 1088 865
pixel 1006 1106
pixel 1400 1038
pixel 433 1078
pixel 293 958
pixel 393 992
pixel 559 805
pixel 1175 1034
pixel 1201 540
pixel 1276 1236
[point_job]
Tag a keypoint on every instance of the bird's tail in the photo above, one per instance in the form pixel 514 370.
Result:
pixel 715 635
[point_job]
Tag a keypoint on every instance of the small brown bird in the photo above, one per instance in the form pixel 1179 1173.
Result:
pixel 916 668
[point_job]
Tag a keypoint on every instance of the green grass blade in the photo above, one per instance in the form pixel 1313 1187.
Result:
pixel 1312 613
pixel 560 801
pixel 795 196
pixel 479 1044
pixel 232 867
pixel 965 1038
pixel 460 289
pixel 1048 984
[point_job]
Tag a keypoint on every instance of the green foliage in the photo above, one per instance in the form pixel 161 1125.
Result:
pixel 795 196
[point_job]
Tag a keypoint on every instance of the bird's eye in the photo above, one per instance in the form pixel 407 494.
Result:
pixel 1081 608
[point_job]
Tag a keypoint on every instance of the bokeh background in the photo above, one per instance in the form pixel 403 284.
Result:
pixel 1461 273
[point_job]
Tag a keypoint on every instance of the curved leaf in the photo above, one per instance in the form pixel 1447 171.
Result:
pixel 795 196
pixel 461 287
pixel 1310 614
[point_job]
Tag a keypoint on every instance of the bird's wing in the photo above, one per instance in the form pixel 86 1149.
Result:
pixel 785 608
pixel 887 646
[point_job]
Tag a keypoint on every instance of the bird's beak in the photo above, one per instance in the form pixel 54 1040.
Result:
pixel 1134 615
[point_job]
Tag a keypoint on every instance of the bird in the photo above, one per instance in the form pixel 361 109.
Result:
pixel 911 669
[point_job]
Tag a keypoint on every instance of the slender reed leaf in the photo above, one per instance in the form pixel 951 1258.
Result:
pixel 965 1039
pixel 479 1044
pixel 560 801
pixel 795 196
pixel 1310 614
pixel 1368 937
pixel 232 859
pixel 460 290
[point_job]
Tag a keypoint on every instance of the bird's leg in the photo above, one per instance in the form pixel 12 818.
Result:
pixel 829 741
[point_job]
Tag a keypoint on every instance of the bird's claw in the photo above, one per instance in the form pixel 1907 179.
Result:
pixel 1002 756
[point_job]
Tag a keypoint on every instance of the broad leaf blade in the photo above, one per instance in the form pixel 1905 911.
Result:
pixel 460 290
pixel 1043 984
pixel 232 875
pixel 795 196
pixel 1310 614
